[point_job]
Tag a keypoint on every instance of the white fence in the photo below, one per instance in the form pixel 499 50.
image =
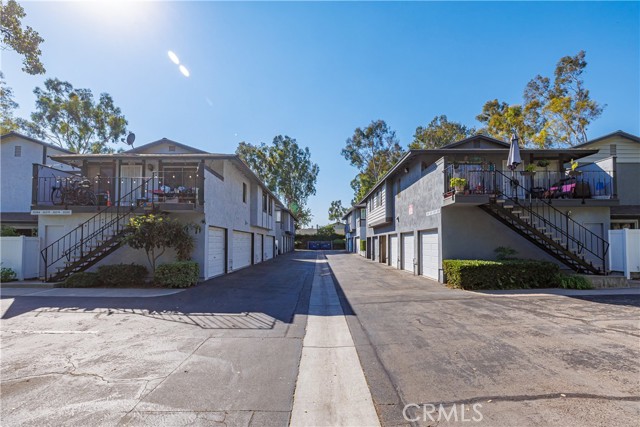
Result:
pixel 624 251
pixel 22 254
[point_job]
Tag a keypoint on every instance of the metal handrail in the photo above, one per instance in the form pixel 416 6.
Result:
pixel 572 230
pixel 96 226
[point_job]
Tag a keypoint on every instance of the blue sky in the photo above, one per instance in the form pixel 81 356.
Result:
pixel 316 71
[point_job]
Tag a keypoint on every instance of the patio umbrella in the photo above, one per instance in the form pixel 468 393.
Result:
pixel 514 158
pixel 513 161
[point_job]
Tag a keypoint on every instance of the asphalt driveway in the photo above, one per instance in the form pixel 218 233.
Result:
pixel 223 353
pixel 527 359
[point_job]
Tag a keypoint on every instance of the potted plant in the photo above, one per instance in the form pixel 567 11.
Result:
pixel 529 170
pixel 543 163
pixel 458 184
pixel 574 169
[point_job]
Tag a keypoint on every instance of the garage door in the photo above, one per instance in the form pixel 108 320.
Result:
pixel 357 245
pixel 268 247
pixel 407 252
pixel 215 252
pixel 241 250
pixel 393 251
pixel 374 249
pixel 429 253
pixel 257 248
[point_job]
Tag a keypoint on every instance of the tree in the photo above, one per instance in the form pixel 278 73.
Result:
pixel 24 41
pixel 373 150
pixel 501 120
pixel 72 119
pixel 554 113
pixel 286 169
pixel 7 106
pixel 438 133
pixel 562 109
pixel 155 233
pixel 336 211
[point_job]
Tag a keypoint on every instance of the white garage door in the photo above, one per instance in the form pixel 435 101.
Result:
pixel 357 244
pixel 215 252
pixel 257 248
pixel 268 247
pixel 393 251
pixel 374 249
pixel 241 250
pixel 407 252
pixel 429 253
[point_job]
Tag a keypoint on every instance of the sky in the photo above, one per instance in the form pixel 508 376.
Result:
pixel 315 71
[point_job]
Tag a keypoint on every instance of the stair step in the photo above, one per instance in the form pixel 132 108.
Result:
pixel 516 211
pixel 500 200
pixel 508 206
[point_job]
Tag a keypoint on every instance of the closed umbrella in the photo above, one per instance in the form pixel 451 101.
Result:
pixel 513 161
pixel 514 158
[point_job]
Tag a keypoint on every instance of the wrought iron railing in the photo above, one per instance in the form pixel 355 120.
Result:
pixel 557 224
pixel 89 235
pixel 541 184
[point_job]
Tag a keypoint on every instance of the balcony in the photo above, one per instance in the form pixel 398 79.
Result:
pixel 56 189
pixel 563 188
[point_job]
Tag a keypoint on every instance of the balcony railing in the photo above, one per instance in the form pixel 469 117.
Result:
pixel 59 188
pixel 542 184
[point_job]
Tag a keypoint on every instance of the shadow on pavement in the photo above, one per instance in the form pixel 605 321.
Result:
pixel 252 298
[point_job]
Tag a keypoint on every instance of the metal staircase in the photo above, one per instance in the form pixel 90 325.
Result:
pixel 91 241
pixel 548 228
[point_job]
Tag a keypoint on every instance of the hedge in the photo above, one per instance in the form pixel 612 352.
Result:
pixel 81 280
pixel 122 275
pixel 180 274
pixel 513 274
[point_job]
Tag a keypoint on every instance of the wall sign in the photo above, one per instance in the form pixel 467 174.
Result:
pixel 51 212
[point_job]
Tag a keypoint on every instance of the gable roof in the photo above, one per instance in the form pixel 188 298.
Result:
pixel 479 136
pixel 37 141
pixel 610 135
pixel 165 141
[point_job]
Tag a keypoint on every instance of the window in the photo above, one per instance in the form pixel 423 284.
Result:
pixel 613 150
pixel 264 201
pixel 244 192
pixel 17 152
pixel 363 214
pixel 270 206
pixel 172 148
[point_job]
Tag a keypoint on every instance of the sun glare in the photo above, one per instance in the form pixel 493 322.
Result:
pixel 184 71
pixel 173 57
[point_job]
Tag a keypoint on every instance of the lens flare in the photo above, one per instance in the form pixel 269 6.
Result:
pixel 184 71
pixel 173 57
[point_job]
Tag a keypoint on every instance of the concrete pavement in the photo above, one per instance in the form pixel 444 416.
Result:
pixel 528 359
pixel 331 389
pixel 224 353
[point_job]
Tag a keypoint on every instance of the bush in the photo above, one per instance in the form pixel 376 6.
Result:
pixel 122 275
pixel 6 231
pixel 7 274
pixel 363 245
pixel 82 280
pixel 574 282
pixel 515 274
pixel 181 274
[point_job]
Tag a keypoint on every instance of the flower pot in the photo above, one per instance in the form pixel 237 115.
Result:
pixel 574 173
pixel 527 173
pixel 459 188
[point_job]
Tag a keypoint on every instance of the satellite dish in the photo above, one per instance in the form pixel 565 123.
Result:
pixel 130 138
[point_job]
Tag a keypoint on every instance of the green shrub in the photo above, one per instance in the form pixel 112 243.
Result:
pixel 513 274
pixel 7 274
pixel 181 274
pixel 573 282
pixel 82 279
pixel 363 245
pixel 122 275
pixel 6 231
pixel 504 253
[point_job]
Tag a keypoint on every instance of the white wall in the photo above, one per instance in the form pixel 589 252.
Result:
pixel 22 254
pixel 16 172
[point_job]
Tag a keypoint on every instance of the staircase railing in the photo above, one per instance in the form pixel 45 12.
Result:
pixel 101 227
pixel 573 235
